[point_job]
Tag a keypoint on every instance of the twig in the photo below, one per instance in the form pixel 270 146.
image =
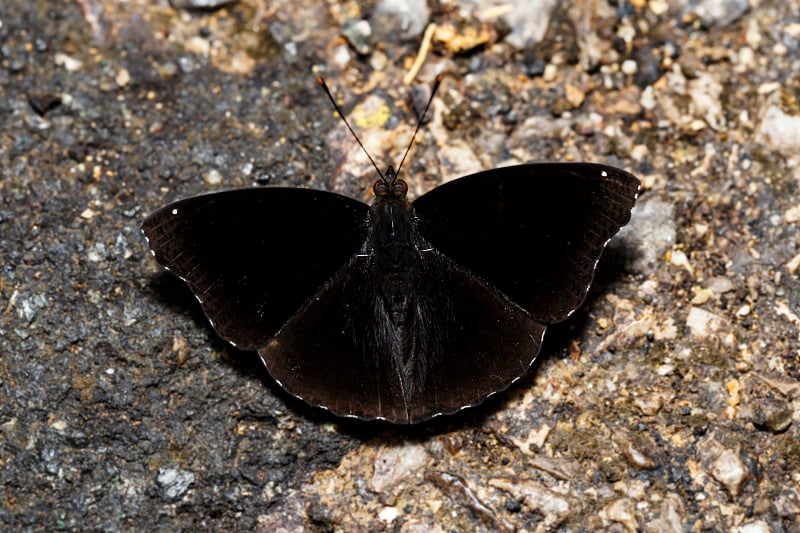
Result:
pixel 424 48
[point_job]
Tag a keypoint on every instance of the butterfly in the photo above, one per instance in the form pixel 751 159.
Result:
pixel 398 311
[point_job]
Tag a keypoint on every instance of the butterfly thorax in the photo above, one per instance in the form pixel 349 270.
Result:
pixel 394 255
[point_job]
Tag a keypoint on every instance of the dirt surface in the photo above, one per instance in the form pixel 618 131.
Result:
pixel 669 402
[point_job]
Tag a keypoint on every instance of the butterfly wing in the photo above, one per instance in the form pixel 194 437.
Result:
pixel 253 256
pixel 278 270
pixel 464 342
pixel 534 231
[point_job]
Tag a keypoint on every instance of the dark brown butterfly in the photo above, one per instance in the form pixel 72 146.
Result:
pixel 397 311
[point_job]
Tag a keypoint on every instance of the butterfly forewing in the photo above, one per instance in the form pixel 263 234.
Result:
pixel 253 256
pixel 533 231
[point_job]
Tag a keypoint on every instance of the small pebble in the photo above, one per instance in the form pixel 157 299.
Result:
pixel 652 231
pixel 759 526
pixel 395 463
pixel 550 72
pixel 649 405
pixel 729 470
pixel 792 214
pixel 174 482
pixel 638 457
pixel 622 511
pixel 657 7
pixel 200 4
pixel 553 506
pixel 358 34
pixel 629 67
pixel 528 20
pixel 701 296
pixel 703 324
pixel 648 98
pixel 69 63
pixel 123 77
pixel 574 95
pixel 771 415
pixel 678 258
pixel 403 19
pixel 720 285
pixel 388 514
pixel 719 13
pixel 213 177
pixel 671 518
pixel 778 131
pixel 341 56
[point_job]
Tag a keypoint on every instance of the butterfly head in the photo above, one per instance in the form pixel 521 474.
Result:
pixel 389 186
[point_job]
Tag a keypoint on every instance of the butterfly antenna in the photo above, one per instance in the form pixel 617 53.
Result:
pixel 421 118
pixel 321 81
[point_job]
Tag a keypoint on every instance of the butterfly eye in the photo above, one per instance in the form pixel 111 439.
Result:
pixel 380 188
pixel 399 188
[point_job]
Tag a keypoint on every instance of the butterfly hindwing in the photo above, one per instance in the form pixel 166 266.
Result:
pixel 462 342
pixel 533 231
pixel 489 344
pixel 253 256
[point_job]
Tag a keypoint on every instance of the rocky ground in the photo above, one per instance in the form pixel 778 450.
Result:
pixel 670 402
